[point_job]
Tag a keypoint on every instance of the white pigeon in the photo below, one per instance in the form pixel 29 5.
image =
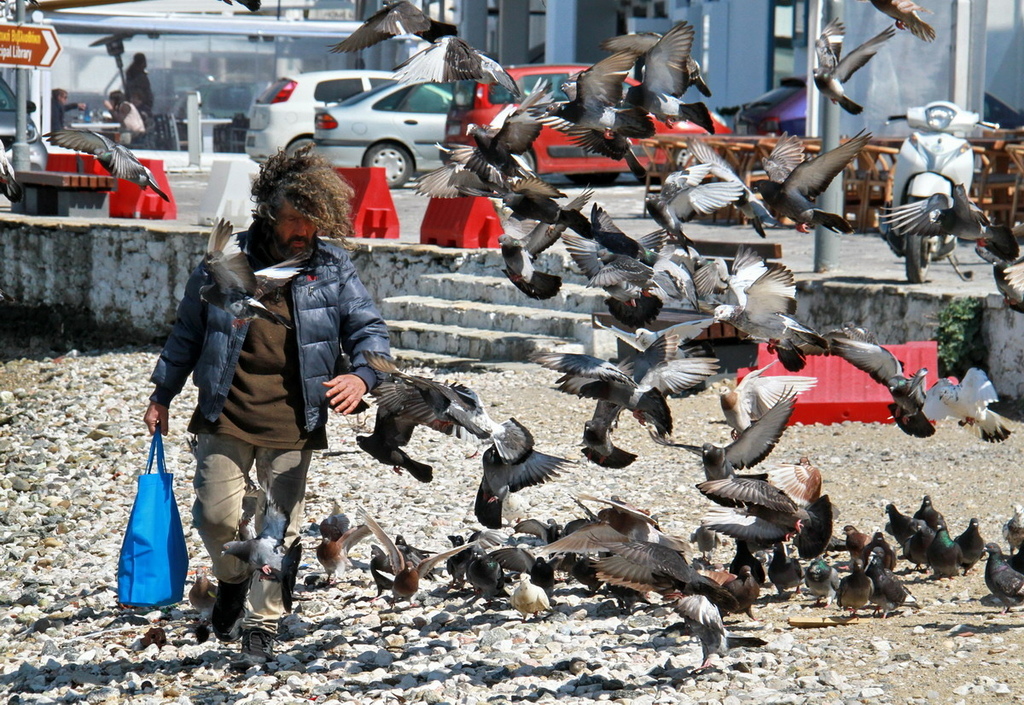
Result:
pixel 968 402
pixel 529 599
pixel 1013 529
pixel 755 394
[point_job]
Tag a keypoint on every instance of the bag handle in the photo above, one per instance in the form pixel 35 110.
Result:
pixel 156 449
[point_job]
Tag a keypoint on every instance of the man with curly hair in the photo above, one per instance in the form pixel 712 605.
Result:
pixel 265 388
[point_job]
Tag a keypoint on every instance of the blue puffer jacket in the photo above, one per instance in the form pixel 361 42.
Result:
pixel 331 306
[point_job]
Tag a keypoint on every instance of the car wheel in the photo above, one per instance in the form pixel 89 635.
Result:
pixel 296 144
pixel 394 159
pixel 601 178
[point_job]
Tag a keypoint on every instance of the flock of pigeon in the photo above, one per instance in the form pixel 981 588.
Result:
pixel 622 546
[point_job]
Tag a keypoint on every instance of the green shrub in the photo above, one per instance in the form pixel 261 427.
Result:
pixel 959 336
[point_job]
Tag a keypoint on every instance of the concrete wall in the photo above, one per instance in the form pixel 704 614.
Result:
pixel 122 283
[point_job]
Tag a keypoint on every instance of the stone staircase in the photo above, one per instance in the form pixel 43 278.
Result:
pixel 462 311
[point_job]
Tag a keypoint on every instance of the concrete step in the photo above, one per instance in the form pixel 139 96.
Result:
pixel 474 343
pixel 488 316
pixel 499 290
pixel 419 358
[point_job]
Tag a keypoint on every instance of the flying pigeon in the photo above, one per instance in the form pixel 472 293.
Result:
pixel 791 192
pixel 115 158
pixel 833 69
pixel 394 20
pixel 266 552
pixel 756 393
pixel 905 14
pixel 941 214
pixel 968 402
pixel 592 116
pixel 8 185
pixel 236 288
pixel 666 76
pixel 908 393
pixel 766 315
pixel 748 202
pixel 453 59
pixel 509 465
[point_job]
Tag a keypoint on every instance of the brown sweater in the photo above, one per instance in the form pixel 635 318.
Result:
pixel 264 405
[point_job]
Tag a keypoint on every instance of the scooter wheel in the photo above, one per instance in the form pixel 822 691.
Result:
pixel 917 257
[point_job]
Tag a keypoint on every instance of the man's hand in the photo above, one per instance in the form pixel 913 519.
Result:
pixel 344 392
pixel 156 416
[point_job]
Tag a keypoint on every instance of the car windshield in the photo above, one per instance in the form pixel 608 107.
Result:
pixel 6 97
pixel 550 82
pixel 773 97
pixel 367 95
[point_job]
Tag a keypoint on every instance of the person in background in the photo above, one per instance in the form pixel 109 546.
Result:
pixel 59 108
pixel 264 388
pixel 136 84
pixel 133 127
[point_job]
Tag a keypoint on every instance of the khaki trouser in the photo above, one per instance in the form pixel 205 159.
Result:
pixel 221 482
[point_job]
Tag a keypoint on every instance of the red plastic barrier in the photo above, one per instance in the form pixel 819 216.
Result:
pixel 75 164
pixel 128 200
pixel 373 210
pixel 469 222
pixel 843 392
pixel 131 201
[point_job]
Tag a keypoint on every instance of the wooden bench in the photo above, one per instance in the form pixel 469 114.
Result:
pixel 64 194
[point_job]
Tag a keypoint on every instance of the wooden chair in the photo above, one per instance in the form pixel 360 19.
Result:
pixel 996 188
pixel 1016 154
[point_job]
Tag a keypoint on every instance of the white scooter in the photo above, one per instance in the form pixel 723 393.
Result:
pixel 931 160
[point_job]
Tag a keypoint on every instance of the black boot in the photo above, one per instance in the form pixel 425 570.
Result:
pixel 228 609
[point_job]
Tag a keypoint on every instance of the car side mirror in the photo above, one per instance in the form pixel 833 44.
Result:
pixel 30 106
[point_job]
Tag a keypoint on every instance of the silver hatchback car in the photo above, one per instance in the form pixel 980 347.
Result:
pixel 397 127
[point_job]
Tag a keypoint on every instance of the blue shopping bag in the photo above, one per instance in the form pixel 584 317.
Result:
pixel 153 563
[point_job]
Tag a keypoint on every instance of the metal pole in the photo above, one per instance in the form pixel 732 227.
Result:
pixel 20 159
pixel 826 242
pixel 194 128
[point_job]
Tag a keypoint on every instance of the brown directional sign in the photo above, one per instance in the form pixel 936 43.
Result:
pixel 28 45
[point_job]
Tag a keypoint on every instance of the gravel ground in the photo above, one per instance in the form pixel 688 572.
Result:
pixel 71 441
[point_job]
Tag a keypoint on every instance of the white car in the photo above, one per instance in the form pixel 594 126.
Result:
pixel 395 127
pixel 282 115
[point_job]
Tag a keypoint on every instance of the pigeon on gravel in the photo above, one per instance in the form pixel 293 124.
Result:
pixel 1003 581
pixel 972 545
pixel 822 581
pixel 704 621
pixel 1013 529
pixel 406 581
pixel 528 599
pixel 888 592
pixel 855 589
pixel 945 556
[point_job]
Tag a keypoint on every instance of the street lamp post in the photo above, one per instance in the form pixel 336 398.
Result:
pixel 20 159
pixel 826 242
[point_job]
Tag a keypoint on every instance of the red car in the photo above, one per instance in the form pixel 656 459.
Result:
pixel 552 152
